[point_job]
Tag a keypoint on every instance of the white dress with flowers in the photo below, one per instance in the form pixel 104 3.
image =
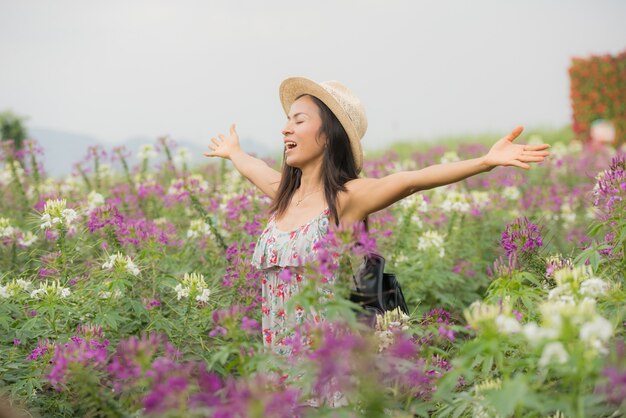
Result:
pixel 275 252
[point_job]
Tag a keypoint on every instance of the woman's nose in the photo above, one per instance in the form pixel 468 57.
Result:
pixel 287 129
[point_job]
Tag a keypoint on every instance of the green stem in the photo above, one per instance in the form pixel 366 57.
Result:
pixel 19 187
pixel 14 265
pixel 206 217
pixel 84 176
pixel 35 169
pixel 96 162
pixel 61 247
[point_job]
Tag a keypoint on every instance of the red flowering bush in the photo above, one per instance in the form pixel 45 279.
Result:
pixel 598 91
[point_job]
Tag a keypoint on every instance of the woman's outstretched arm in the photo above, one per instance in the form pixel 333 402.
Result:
pixel 257 171
pixel 369 195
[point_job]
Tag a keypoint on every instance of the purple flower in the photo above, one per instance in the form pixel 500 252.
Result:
pixel 436 316
pixel 90 353
pixel 520 236
pixel 403 347
pixel 43 346
pixel 615 372
pixel 44 272
pixel 248 324
pixel 285 275
pixel 134 355
pixel 609 196
pixel 152 303
pixel 165 396
pixel 16 342
pixel 446 333
pixel 218 331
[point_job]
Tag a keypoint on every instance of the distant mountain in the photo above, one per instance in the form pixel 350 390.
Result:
pixel 63 149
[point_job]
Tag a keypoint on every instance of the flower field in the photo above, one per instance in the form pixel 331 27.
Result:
pixel 127 291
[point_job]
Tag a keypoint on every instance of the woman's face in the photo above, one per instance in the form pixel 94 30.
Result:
pixel 300 134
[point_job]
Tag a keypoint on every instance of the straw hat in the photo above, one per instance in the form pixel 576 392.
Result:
pixel 345 105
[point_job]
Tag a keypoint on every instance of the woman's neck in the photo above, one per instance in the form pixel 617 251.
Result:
pixel 311 179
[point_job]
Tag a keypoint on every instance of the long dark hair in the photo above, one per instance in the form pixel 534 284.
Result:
pixel 338 166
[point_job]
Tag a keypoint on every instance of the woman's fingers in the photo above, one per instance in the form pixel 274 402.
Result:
pixel 520 164
pixel 530 159
pixel 514 133
pixel 536 147
pixel 215 141
pixel 536 153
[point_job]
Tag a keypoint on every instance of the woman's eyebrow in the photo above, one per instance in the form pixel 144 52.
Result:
pixel 299 113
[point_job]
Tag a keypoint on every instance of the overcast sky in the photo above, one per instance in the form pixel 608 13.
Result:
pixel 423 69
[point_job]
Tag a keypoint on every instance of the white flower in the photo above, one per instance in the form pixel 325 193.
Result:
pixel 181 292
pixel 536 334
pixel 6 175
pixel 596 332
pixel 27 239
pixel 553 352
pixel 198 228
pixel 4 292
pixel 449 157
pixel 6 230
pixel 69 215
pixel 24 284
pixel 431 240
pixel 480 198
pixel 193 285
pixel 559 150
pixel 562 293
pixel 146 151
pixel 455 202
pixel 511 193
pixel 204 296
pixel 71 184
pixel 50 289
pixel 183 156
pixel 105 171
pixel 567 214
pixel 593 287
pixel 507 324
pixel 385 339
pixel 94 200
pixel 55 212
pixel 121 261
pixel 417 221
pixel 479 312
pixel 415 201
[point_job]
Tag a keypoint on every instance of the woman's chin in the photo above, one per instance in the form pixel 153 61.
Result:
pixel 291 162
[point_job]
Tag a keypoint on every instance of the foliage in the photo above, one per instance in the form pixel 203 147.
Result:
pixel 12 128
pixel 128 291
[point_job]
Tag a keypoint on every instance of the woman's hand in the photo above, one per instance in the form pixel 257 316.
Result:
pixel 505 152
pixel 223 146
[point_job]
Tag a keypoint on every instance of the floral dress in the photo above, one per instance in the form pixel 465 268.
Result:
pixel 276 251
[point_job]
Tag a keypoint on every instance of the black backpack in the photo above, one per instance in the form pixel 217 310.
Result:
pixel 376 290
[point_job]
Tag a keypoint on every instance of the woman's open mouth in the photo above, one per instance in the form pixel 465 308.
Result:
pixel 290 145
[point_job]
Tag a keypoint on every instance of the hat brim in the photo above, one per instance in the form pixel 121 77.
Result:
pixel 294 87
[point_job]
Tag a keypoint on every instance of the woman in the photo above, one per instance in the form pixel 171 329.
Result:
pixel 319 184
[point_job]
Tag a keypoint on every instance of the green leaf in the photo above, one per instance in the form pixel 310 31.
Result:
pixel 505 400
